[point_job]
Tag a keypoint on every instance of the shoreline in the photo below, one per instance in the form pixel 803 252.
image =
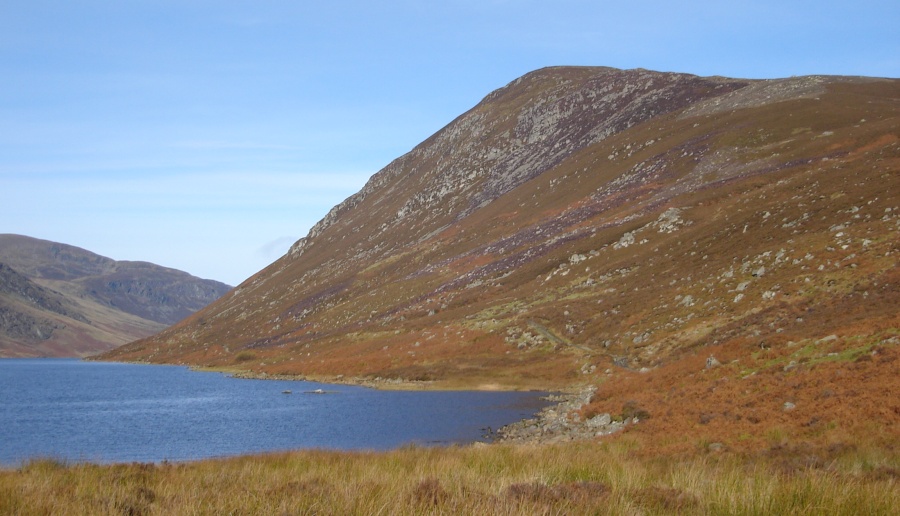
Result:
pixel 562 422
pixel 379 383
pixel 558 422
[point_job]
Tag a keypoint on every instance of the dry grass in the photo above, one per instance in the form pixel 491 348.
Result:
pixel 575 478
pixel 841 392
pixel 789 231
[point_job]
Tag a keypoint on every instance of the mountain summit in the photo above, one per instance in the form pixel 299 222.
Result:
pixel 581 222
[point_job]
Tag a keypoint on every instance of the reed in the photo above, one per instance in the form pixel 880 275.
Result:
pixel 613 477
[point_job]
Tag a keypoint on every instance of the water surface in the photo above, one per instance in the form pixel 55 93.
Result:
pixel 112 412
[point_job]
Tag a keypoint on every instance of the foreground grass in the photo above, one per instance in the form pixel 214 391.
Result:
pixel 573 478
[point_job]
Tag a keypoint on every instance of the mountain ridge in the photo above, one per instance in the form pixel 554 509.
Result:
pixel 560 202
pixel 61 300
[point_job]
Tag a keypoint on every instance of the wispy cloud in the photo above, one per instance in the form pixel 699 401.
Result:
pixel 276 248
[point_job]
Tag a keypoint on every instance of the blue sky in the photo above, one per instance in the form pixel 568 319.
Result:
pixel 209 135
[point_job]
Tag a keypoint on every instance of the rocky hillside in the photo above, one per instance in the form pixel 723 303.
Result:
pixel 581 224
pixel 59 300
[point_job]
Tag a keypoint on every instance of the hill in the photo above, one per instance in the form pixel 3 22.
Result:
pixel 59 300
pixel 595 226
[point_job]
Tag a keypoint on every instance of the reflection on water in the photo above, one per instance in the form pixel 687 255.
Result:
pixel 109 412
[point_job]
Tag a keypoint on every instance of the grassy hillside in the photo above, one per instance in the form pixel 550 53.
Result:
pixel 756 212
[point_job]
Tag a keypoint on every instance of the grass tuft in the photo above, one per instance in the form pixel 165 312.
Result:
pixel 612 477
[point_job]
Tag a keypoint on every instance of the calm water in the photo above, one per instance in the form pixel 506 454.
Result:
pixel 107 412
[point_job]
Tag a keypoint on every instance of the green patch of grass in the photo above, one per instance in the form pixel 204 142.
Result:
pixel 245 356
pixel 776 435
pixel 814 351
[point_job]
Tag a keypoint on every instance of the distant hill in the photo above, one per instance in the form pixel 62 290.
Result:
pixel 60 300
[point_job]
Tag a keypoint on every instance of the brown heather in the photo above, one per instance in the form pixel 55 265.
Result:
pixel 615 477
pixel 586 217
pixel 717 256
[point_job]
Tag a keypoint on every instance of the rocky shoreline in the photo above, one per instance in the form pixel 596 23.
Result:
pixel 561 422
pixel 558 422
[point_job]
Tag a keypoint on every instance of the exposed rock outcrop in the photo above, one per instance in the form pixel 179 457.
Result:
pixel 585 220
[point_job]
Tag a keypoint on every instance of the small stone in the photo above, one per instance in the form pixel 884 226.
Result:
pixel 789 406
pixel 712 362
pixel 716 447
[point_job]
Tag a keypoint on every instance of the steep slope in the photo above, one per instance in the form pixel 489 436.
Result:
pixel 18 286
pixel 60 300
pixel 581 223
pixel 19 324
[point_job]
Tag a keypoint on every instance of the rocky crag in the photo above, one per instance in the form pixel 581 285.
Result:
pixel 588 226
pixel 62 301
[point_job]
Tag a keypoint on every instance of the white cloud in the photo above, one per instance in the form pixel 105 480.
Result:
pixel 276 248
